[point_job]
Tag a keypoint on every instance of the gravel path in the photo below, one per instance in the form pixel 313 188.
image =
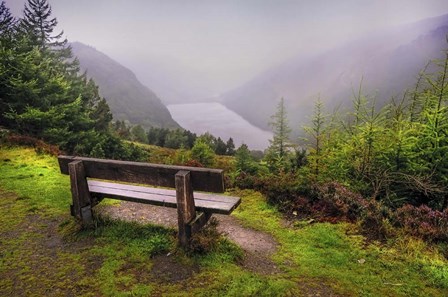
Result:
pixel 258 246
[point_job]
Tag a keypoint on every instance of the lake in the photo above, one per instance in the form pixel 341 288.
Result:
pixel 220 121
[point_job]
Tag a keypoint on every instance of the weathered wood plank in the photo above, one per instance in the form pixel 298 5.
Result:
pixel 202 179
pixel 80 192
pixel 212 203
pixel 167 201
pixel 186 210
pixel 167 192
pixel 184 196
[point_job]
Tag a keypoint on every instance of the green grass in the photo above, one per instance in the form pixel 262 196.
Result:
pixel 43 252
pixel 36 178
pixel 114 259
pixel 338 256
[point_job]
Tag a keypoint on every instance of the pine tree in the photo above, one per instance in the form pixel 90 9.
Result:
pixel 209 139
pixel 6 21
pixel 230 147
pixel 191 138
pixel 93 104
pixel 39 25
pixel 244 160
pixel 121 129
pixel 220 147
pixel 432 145
pixel 316 133
pixel 281 131
pixel 99 109
pixel 139 134
pixel 176 139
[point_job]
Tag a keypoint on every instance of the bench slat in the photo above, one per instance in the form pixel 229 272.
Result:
pixel 167 192
pixel 163 197
pixel 203 179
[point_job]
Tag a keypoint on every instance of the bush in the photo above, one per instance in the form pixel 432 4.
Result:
pixel 281 189
pixel 375 221
pixel 4 133
pixel 337 201
pixel 423 222
pixel 97 151
pixel 329 202
pixel 244 180
pixel 193 163
pixel 111 147
pixel 39 145
pixel 203 153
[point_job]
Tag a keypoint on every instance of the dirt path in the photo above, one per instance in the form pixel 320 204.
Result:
pixel 258 246
pixel 45 256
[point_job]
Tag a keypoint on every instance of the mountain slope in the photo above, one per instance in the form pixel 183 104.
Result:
pixel 387 63
pixel 127 97
pixel 172 80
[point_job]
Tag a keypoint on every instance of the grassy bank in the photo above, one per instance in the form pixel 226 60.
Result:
pixel 338 256
pixel 44 253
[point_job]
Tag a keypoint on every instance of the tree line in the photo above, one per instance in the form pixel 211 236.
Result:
pixel 396 154
pixel 172 138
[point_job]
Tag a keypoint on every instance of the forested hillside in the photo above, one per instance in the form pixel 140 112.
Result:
pixel 128 99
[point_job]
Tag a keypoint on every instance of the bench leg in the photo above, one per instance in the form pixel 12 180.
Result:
pixel 186 210
pixel 81 207
pixel 201 219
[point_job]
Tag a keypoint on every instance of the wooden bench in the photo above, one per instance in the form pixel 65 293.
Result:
pixel 94 179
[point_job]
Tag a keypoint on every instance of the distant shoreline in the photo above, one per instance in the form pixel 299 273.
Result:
pixel 215 118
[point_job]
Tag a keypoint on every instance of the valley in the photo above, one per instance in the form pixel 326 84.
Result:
pixel 328 120
pixel 383 64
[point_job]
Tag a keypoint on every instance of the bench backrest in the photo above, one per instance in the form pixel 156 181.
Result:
pixel 203 179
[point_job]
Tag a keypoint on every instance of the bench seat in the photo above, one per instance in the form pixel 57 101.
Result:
pixel 205 202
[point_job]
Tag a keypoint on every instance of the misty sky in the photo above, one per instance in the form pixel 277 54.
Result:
pixel 226 41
